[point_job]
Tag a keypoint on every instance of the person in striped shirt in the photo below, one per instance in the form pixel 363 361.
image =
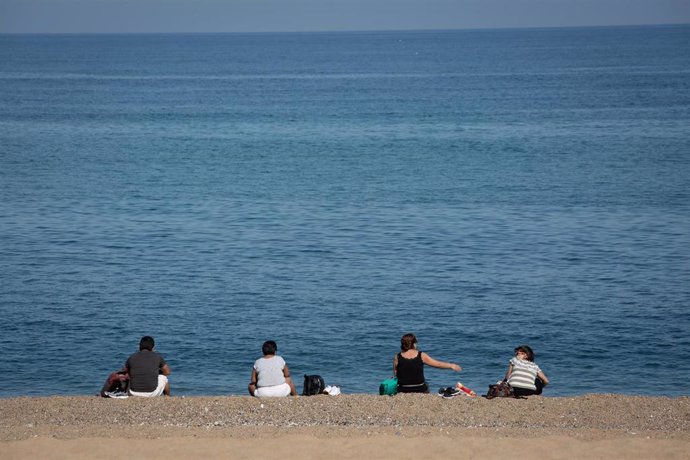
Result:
pixel 524 375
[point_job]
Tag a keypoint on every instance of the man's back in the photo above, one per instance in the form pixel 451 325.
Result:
pixel 144 367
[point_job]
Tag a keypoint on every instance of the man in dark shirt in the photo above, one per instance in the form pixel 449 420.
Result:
pixel 148 371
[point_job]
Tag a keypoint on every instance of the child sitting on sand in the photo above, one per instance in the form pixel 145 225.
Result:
pixel 523 374
pixel 270 375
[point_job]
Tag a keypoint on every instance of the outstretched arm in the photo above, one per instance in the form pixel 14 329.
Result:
pixel 440 364
pixel 543 378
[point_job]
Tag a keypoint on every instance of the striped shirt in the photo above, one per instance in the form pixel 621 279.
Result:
pixel 524 374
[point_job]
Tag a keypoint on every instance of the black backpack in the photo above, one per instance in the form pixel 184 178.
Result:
pixel 313 385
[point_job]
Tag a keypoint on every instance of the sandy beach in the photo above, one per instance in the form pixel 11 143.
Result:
pixel 346 426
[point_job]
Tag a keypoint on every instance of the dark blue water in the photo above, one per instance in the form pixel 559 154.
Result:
pixel 481 189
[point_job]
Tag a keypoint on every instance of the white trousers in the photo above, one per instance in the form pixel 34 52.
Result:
pixel 275 391
pixel 162 381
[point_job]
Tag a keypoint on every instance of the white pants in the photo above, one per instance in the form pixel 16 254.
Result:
pixel 275 391
pixel 162 381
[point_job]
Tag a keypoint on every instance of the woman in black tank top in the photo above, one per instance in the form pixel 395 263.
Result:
pixel 408 366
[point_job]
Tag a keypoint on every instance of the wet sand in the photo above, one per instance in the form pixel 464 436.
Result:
pixel 346 426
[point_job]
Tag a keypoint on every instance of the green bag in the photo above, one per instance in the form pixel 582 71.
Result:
pixel 389 387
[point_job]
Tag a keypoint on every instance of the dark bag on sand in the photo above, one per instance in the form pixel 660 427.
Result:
pixel 117 382
pixel 500 390
pixel 313 385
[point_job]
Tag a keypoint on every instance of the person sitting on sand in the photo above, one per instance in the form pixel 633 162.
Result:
pixel 147 371
pixel 408 366
pixel 523 374
pixel 270 374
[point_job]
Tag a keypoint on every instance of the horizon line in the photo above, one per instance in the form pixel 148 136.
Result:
pixel 336 31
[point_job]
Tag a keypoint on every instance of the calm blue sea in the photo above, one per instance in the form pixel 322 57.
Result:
pixel 333 191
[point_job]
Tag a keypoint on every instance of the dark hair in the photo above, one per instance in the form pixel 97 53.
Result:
pixel 527 350
pixel 269 347
pixel 146 343
pixel 407 342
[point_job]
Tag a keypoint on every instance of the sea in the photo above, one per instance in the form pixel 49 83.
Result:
pixel 481 189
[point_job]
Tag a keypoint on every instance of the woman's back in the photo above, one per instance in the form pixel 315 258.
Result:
pixel 410 371
pixel 269 371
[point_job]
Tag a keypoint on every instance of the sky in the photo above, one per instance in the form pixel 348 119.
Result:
pixel 150 16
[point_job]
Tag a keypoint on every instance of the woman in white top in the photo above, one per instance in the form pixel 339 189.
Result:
pixel 270 374
pixel 524 375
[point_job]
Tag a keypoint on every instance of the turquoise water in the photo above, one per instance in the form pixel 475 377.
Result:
pixel 333 191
